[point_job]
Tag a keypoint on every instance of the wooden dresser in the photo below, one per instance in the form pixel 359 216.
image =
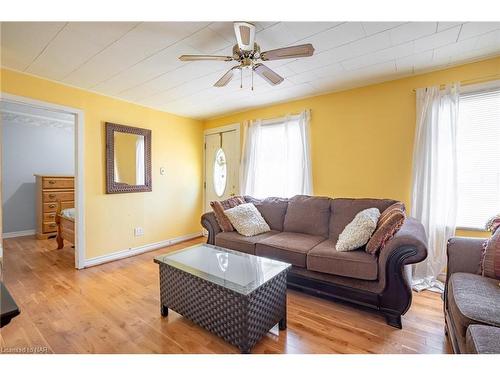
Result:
pixel 49 191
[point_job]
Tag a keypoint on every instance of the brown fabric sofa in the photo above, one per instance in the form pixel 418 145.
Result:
pixel 304 231
pixel 472 302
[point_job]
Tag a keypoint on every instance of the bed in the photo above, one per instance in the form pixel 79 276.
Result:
pixel 65 220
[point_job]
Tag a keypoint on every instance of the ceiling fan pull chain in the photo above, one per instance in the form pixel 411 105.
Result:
pixel 252 77
pixel 241 78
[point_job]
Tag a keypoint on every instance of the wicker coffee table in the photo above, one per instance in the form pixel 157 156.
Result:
pixel 237 296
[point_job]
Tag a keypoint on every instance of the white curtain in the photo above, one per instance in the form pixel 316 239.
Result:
pixel 434 191
pixel 277 157
pixel 139 161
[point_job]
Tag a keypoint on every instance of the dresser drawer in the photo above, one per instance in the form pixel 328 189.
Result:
pixel 52 207
pixel 49 227
pixel 49 217
pixel 58 183
pixel 58 196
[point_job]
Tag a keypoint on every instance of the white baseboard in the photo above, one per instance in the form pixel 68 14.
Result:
pixel 21 233
pixel 137 250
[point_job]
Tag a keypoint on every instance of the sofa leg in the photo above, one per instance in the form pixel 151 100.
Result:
pixel 394 320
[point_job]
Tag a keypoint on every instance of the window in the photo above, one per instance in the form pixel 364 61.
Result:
pixel 220 172
pixel 478 149
pixel 277 161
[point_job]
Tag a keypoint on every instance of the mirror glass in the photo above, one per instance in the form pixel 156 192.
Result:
pixel 129 158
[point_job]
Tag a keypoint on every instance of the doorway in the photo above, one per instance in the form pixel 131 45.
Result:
pixel 222 164
pixel 44 142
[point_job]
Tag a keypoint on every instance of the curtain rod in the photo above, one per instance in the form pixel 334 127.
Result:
pixel 471 81
pixel 280 117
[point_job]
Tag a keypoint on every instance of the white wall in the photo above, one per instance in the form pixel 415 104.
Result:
pixel 28 148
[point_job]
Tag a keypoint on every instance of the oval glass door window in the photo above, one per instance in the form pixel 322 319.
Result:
pixel 220 172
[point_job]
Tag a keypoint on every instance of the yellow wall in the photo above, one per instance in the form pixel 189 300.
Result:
pixel 362 139
pixel 172 209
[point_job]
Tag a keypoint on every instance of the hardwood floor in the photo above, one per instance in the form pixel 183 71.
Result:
pixel 114 308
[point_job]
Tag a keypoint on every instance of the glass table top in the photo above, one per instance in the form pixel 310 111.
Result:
pixel 240 272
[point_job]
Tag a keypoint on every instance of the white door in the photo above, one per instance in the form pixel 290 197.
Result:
pixel 222 163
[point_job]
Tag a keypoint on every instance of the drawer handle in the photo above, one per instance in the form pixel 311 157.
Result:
pixel 52 216
pixel 52 182
pixel 52 225
pixel 52 206
pixel 52 196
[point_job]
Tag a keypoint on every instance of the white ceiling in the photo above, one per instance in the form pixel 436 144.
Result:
pixel 138 62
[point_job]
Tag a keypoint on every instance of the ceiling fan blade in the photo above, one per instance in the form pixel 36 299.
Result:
pixel 269 75
pixel 224 80
pixel 245 35
pixel 303 50
pixel 204 58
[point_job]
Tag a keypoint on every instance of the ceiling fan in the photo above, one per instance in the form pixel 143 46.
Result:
pixel 247 53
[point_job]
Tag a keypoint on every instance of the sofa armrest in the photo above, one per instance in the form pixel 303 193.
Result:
pixel 410 235
pixel 464 255
pixel 209 222
pixel 408 246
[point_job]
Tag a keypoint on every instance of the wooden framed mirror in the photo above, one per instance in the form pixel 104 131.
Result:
pixel 128 159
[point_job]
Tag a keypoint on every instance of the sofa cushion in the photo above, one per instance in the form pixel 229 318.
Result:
pixel 235 241
pixel 288 247
pixel 482 339
pixel 357 264
pixel 272 209
pixel 309 215
pixel 343 211
pixel 472 299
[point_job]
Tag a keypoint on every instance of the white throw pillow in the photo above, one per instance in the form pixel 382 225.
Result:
pixel 359 230
pixel 247 220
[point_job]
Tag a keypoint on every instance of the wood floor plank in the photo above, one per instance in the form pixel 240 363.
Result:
pixel 114 308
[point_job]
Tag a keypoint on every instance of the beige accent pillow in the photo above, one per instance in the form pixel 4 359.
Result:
pixel 358 232
pixel 490 259
pixel 247 220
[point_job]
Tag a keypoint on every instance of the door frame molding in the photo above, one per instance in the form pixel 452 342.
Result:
pixel 222 129
pixel 79 165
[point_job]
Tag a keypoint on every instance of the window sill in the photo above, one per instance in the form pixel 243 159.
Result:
pixel 471 229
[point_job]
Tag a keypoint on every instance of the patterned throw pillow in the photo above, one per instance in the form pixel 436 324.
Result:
pixel 220 206
pixel 247 220
pixel 358 231
pixel 388 224
pixel 490 264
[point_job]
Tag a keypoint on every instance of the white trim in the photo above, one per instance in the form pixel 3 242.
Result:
pixel 79 165
pixel 20 233
pixel 68 122
pixel 221 129
pixel 138 250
